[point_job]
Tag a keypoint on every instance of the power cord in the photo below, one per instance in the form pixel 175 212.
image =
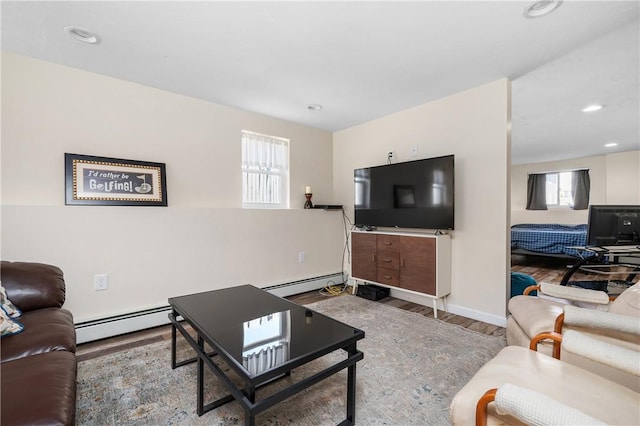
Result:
pixel 331 288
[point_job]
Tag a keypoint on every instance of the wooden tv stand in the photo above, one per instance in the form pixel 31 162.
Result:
pixel 414 262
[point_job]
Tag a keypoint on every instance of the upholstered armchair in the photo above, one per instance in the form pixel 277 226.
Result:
pixel 531 315
pixel 619 333
pixel 533 388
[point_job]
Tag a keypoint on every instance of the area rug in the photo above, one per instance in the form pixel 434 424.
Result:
pixel 412 368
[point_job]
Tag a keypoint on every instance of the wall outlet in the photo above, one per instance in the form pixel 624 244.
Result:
pixel 101 282
pixel 301 257
pixel 391 156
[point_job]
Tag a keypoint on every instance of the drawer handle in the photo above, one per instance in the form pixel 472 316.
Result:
pixel 387 277
pixel 387 243
pixel 373 257
pixel 387 260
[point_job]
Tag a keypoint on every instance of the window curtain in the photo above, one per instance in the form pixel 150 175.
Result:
pixel 264 152
pixel 581 188
pixel 265 164
pixel 536 192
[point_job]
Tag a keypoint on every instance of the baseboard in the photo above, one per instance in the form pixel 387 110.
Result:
pixel 121 324
pixel 477 315
pixel 454 309
pixel 302 286
pixel 141 320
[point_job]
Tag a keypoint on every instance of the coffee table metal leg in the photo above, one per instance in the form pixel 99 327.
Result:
pixel 200 378
pixel 351 387
pixel 249 415
pixel 173 341
pixel 249 419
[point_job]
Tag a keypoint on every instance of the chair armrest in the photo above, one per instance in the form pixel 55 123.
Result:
pixel 624 327
pixel 530 407
pixel 590 318
pixel 550 335
pixel 481 407
pixel 530 289
pixel 602 352
pixel 575 293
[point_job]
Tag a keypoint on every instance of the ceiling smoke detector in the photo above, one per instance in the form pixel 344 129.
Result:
pixel 82 35
pixel 541 8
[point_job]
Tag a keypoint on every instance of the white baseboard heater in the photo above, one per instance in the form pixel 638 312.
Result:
pixel 89 331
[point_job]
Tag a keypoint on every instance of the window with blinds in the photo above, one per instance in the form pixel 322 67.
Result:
pixel 265 171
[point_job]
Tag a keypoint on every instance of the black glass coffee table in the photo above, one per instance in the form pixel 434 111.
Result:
pixel 261 337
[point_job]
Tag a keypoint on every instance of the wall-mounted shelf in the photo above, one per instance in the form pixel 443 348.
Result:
pixel 328 206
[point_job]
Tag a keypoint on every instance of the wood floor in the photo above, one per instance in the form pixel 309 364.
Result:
pixel 552 270
pixel 542 269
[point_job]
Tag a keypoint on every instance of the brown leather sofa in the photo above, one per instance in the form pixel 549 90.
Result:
pixel 38 368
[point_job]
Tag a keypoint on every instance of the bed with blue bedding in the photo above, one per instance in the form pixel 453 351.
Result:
pixel 548 239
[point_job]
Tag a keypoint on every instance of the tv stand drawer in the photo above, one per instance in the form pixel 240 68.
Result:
pixel 389 243
pixel 389 276
pixel 389 260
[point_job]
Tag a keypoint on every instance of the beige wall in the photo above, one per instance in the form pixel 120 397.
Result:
pixel 615 179
pixel 623 178
pixel 203 240
pixel 472 125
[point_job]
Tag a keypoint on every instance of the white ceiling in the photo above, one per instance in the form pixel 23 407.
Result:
pixel 364 60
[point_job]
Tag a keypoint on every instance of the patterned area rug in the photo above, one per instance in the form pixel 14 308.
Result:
pixel 412 368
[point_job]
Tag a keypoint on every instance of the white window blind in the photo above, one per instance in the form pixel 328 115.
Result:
pixel 265 171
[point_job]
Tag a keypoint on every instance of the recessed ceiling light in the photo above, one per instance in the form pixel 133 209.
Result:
pixel 314 107
pixel 611 144
pixel 82 35
pixel 592 108
pixel 541 8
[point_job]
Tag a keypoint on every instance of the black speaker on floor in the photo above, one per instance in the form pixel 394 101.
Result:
pixel 372 292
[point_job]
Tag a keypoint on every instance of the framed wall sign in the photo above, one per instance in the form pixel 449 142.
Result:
pixel 94 181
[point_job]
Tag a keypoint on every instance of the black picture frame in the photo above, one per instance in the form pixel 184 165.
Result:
pixel 104 181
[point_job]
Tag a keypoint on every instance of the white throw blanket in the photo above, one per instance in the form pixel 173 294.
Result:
pixel 536 409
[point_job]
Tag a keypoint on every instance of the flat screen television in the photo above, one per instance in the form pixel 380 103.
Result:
pixel 613 225
pixel 413 194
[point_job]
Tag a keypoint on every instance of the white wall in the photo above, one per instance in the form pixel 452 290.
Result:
pixel 615 179
pixel 472 125
pixel 202 241
pixel 623 178
pixel 152 254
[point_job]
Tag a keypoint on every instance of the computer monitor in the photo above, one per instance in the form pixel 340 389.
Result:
pixel 613 225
